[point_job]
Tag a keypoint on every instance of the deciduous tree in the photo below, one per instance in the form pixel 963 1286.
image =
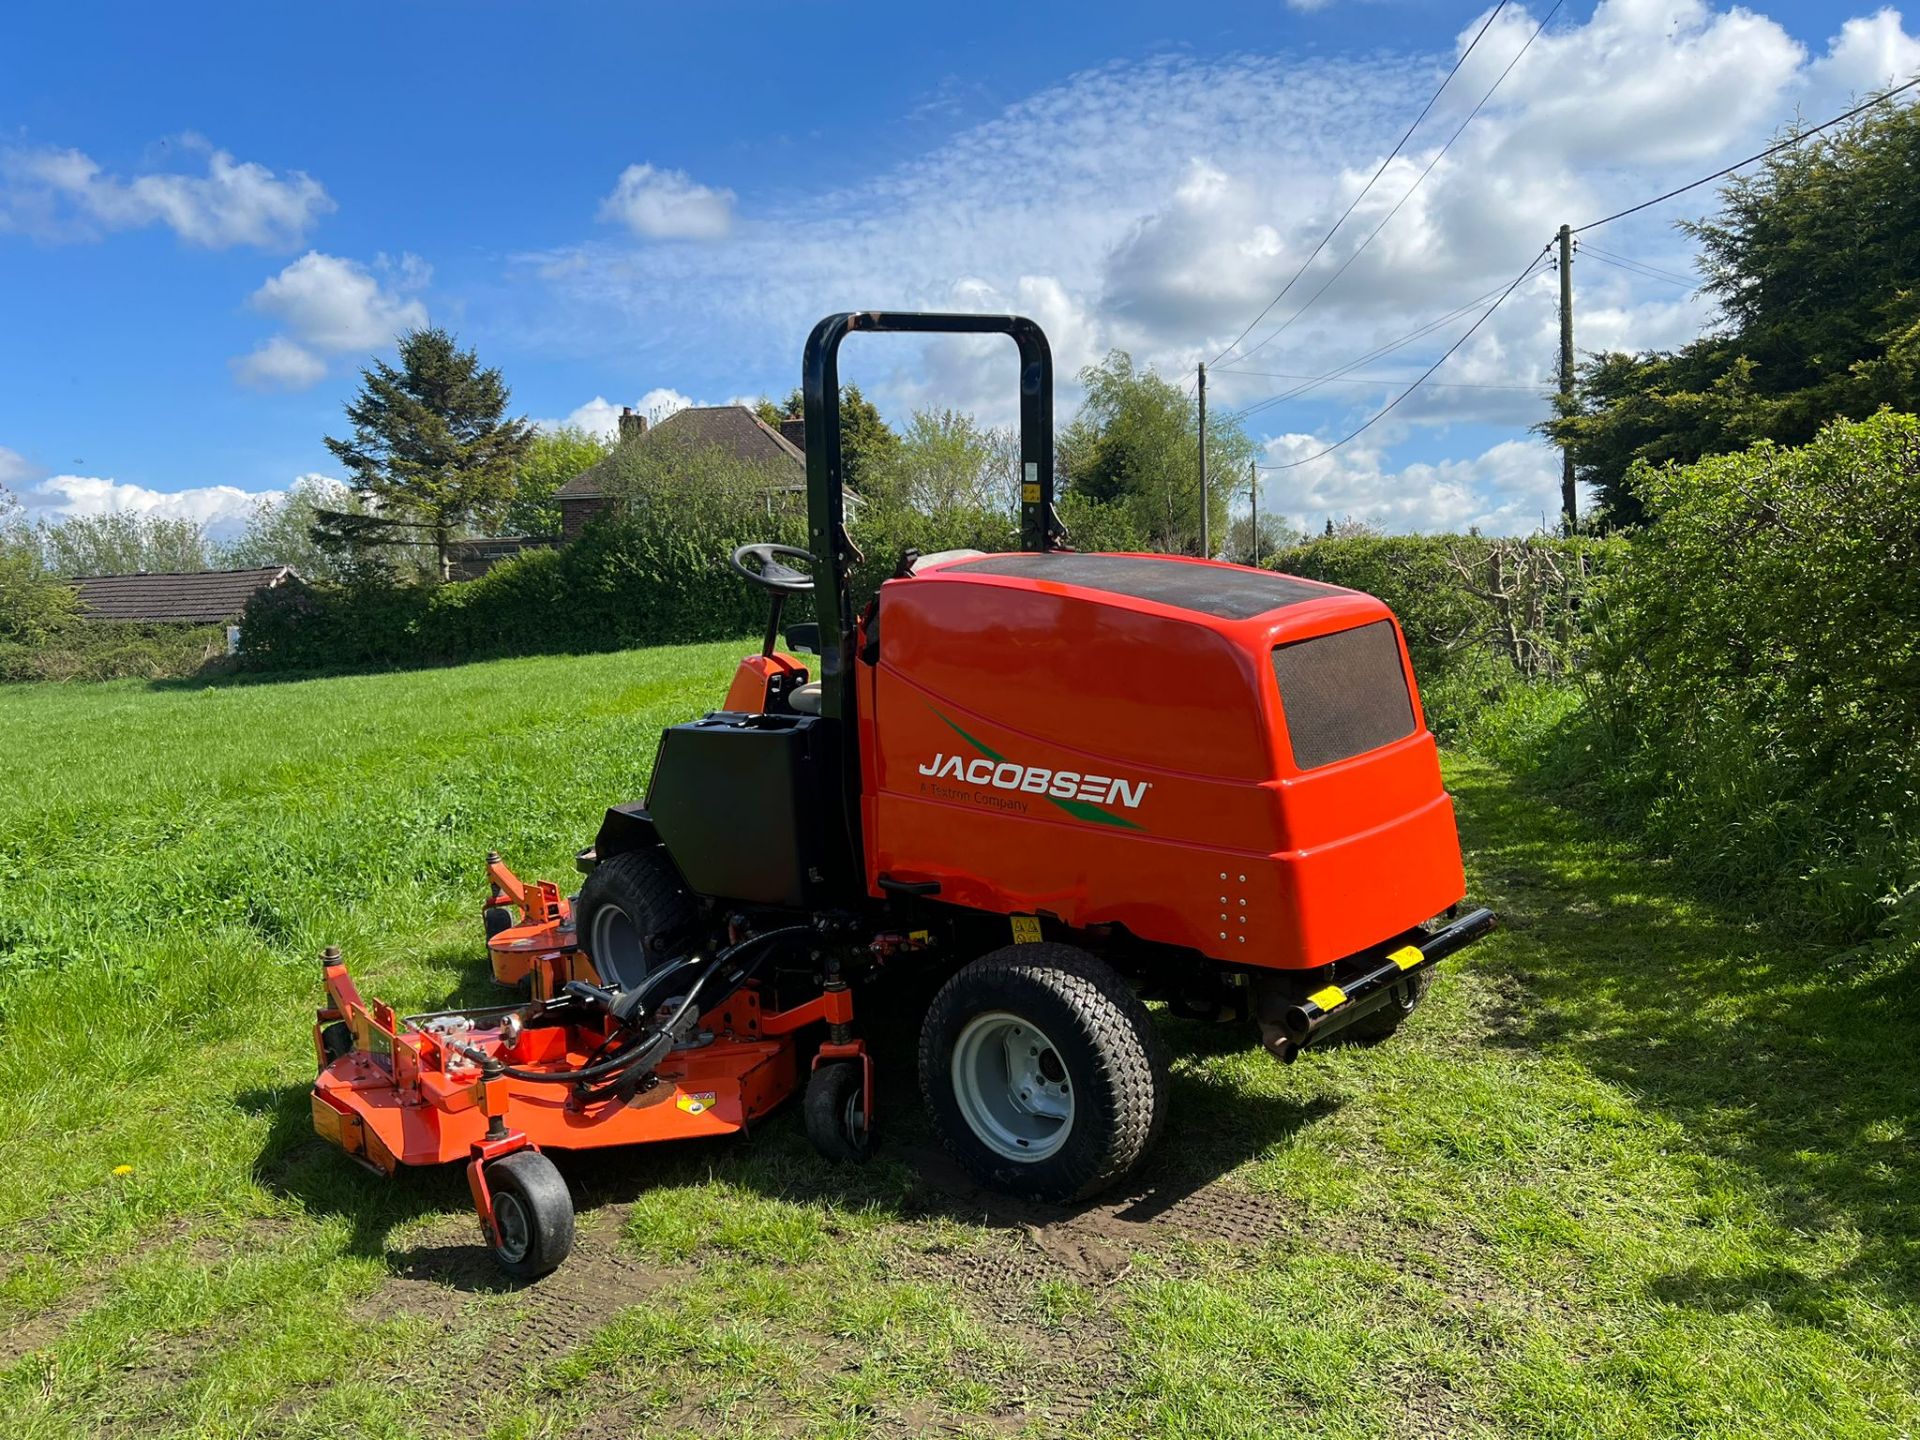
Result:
pixel 35 604
pixel 1136 443
pixel 125 542
pixel 553 457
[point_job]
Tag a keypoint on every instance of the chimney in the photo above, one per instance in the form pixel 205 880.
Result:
pixel 632 424
pixel 794 428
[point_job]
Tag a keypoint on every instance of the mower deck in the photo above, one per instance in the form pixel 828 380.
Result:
pixel 403 1107
pixel 474 1086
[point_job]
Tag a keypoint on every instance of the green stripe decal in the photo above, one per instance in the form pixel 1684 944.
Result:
pixel 1078 809
pixel 993 755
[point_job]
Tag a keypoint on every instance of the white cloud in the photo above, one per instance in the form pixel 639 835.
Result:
pixel 1157 206
pixel 1511 488
pixel 223 509
pixel 64 194
pixel 1870 53
pixel 330 305
pixel 335 304
pixel 668 205
pixel 15 468
pixel 600 416
pixel 279 364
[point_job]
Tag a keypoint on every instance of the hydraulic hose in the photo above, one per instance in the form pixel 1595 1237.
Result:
pixel 649 1051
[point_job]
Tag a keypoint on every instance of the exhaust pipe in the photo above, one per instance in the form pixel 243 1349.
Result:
pixel 1328 1011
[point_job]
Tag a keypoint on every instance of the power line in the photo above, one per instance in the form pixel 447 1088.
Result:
pixel 1638 269
pixel 1387 380
pixel 1356 434
pixel 1434 100
pixel 1786 144
pixel 1418 180
pixel 1378 352
pixel 1589 248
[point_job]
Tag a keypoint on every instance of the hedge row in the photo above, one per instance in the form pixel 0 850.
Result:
pixel 1481 615
pixel 116 650
pixel 654 577
pixel 1757 679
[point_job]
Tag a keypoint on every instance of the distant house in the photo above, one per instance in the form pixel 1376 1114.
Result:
pixel 733 428
pixel 206 597
pixel 470 559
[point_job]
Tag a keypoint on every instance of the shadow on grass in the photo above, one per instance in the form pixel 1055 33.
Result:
pixel 1792 1065
pixel 1214 1128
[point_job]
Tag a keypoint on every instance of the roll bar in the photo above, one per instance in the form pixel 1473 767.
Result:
pixel 826 481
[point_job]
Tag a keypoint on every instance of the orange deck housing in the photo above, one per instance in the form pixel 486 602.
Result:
pixel 1044 747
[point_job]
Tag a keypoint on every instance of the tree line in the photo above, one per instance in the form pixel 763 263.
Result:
pixel 1814 263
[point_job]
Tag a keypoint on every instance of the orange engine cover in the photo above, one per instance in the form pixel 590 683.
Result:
pixel 1211 756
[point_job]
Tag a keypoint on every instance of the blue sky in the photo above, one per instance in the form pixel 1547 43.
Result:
pixel 208 223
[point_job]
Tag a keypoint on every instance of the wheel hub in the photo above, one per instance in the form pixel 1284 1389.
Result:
pixel 1012 1087
pixel 616 948
pixel 511 1218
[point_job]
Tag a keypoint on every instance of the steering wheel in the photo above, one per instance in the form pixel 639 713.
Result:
pixel 769 573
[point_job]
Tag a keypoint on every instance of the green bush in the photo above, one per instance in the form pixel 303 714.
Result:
pixel 1758 674
pixel 1481 615
pixel 116 650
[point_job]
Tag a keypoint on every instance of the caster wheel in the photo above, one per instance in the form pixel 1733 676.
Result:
pixel 496 918
pixel 533 1213
pixel 336 1040
pixel 839 1129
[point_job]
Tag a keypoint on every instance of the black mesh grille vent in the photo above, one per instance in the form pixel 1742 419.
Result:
pixel 1344 694
pixel 1208 589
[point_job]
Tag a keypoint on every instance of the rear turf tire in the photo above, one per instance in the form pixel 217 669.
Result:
pixel 533 1212
pixel 626 905
pixel 1043 1073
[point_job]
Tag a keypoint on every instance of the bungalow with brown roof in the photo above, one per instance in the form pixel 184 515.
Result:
pixel 204 597
pixel 733 428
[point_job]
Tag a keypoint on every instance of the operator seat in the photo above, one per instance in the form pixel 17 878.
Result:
pixel 804 699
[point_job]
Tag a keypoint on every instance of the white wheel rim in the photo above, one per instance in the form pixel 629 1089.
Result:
pixel 1012 1087
pixel 618 952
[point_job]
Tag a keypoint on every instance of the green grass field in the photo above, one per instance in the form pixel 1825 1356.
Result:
pixel 1635 1170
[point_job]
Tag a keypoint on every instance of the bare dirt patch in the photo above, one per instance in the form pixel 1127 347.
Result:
pixel 1094 1242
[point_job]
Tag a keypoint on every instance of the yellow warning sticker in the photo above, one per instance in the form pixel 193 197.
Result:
pixel 1406 957
pixel 1030 494
pixel 1331 998
pixel 1026 929
pixel 696 1104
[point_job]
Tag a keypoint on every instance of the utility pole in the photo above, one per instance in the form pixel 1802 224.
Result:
pixel 1206 551
pixel 1253 490
pixel 1567 498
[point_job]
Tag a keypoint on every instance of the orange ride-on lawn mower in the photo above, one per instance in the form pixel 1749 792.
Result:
pixel 1043 779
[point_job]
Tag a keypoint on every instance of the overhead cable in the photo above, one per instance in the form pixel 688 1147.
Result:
pixel 1431 102
pixel 1389 408
pixel 1418 180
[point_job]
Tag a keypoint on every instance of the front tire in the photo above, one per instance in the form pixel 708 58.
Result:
pixel 1042 1071
pixel 833 1109
pixel 533 1213
pixel 627 905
